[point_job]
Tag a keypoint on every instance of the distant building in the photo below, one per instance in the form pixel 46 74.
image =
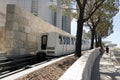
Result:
pixel 41 9
pixel 111 45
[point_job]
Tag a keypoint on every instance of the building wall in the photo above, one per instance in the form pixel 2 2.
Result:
pixel 25 4
pixel 23 29
pixel 44 11
pixel 59 14
pixel 41 9
pixel 2 24
pixel 66 23
pixel 41 5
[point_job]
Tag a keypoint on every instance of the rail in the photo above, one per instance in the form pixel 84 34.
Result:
pixel 17 64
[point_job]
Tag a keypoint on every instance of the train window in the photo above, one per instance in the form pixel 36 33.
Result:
pixel 67 40
pixel 60 39
pixel 72 41
pixel 64 40
pixel 83 42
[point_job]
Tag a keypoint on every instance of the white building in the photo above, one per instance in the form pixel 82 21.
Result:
pixel 41 9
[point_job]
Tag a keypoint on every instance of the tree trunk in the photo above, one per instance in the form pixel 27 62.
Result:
pixel 92 38
pixel 96 40
pixel 79 37
pixel 79 30
pixel 100 41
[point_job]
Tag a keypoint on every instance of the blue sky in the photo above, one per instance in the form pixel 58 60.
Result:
pixel 114 37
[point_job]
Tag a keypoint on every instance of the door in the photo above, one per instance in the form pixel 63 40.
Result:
pixel 44 42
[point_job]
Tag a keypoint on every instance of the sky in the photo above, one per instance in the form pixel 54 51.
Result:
pixel 114 37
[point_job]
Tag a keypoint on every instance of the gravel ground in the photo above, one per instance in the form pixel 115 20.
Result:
pixel 51 72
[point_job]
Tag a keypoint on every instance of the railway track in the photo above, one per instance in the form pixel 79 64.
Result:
pixel 9 67
pixel 12 66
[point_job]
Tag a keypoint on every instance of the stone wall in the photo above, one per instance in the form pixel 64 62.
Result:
pixel 23 29
pixel 2 25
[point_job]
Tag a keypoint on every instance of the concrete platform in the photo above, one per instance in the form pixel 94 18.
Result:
pixel 108 70
pixel 104 68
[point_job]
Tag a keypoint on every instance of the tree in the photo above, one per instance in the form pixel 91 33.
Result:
pixel 86 9
pixel 92 23
pixel 108 29
pixel 103 18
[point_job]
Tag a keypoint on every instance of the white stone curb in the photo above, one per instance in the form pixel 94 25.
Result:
pixel 81 69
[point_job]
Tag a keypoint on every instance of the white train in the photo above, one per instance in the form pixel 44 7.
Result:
pixel 56 44
pixel 86 44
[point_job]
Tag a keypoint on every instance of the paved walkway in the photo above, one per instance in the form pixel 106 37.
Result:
pixel 105 68
pixel 108 70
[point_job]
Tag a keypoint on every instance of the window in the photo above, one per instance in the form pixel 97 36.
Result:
pixel 72 41
pixel 64 40
pixel 34 7
pixel 44 39
pixel 83 42
pixel 60 39
pixel 67 40
pixel 43 42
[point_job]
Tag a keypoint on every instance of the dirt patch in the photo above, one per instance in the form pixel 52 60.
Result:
pixel 51 72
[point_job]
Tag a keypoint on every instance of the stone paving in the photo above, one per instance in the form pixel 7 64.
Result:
pixel 108 70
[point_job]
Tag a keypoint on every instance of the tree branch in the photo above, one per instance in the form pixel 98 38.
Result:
pixel 78 3
pixel 84 4
pixel 89 25
pixel 93 11
pixel 91 20
pixel 98 21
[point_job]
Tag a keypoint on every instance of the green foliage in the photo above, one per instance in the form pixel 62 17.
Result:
pixel 53 7
pixel 105 27
pixel 74 15
pixel 101 20
pixel 66 8
pixel 66 2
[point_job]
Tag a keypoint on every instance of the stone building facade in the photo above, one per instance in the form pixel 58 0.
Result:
pixel 22 30
pixel 41 8
pixel 2 25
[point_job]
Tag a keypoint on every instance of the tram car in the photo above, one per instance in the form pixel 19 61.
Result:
pixel 57 44
pixel 86 44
